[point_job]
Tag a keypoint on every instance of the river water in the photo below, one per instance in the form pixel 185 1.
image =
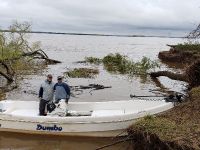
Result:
pixel 72 48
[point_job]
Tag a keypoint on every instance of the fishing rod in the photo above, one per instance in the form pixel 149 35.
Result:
pixel 176 97
pixel 131 96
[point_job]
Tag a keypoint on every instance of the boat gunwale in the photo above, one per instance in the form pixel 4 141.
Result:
pixel 72 120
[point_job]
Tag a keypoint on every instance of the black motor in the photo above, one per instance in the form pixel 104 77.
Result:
pixel 51 107
pixel 176 97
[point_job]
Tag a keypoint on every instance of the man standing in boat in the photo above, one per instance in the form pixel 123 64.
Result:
pixel 46 93
pixel 62 90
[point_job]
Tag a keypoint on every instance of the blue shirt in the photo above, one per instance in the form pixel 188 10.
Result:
pixel 62 91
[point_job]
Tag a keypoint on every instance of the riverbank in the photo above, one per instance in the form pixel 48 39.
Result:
pixel 178 128
pixel 181 53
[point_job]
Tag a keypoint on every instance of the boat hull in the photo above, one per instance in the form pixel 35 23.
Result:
pixel 87 130
pixel 108 119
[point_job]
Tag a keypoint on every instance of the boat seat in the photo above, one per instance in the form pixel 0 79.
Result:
pixel 110 112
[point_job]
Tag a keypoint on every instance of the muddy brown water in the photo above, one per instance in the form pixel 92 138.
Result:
pixel 14 141
pixel 69 49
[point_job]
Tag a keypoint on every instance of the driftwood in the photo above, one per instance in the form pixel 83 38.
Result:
pixel 90 86
pixel 80 88
pixel 172 46
pixel 94 86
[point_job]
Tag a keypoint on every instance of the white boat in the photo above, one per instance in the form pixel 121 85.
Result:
pixel 104 119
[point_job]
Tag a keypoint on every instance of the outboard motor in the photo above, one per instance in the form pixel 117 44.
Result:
pixel 179 97
pixel 176 97
pixel 51 107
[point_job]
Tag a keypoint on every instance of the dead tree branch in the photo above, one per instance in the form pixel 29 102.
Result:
pixel 191 75
pixel 171 75
pixel 195 33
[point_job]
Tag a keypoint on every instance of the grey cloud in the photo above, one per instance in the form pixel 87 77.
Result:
pixel 102 15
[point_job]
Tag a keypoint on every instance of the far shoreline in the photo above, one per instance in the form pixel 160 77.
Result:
pixel 94 34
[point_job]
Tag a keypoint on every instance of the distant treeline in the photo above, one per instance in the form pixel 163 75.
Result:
pixel 90 34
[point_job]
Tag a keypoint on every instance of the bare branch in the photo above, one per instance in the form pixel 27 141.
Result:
pixel 194 34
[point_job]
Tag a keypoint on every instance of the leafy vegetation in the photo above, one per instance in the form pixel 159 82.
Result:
pixel 188 47
pixel 93 60
pixel 12 46
pixel 16 53
pixel 117 63
pixel 82 73
pixel 15 43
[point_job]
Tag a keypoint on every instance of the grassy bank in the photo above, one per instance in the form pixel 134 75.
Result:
pixel 178 128
pixel 181 53
pixel 188 47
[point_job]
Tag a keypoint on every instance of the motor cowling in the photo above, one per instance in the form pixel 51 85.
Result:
pixel 51 107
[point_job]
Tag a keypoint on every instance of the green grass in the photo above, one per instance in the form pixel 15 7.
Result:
pixel 164 128
pixel 93 60
pixel 188 47
pixel 195 92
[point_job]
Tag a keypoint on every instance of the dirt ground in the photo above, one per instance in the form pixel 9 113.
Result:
pixel 187 115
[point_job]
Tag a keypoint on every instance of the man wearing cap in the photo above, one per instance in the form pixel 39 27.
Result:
pixel 62 90
pixel 46 93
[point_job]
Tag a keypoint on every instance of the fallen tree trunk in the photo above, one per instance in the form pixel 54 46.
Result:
pixel 52 61
pixel 172 46
pixel 191 75
pixel 9 78
pixel 9 73
pixel 171 75
pixel 40 54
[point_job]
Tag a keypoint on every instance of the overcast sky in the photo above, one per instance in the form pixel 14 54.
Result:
pixel 104 16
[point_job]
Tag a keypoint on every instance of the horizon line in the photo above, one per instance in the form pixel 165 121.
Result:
pixel 94 34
